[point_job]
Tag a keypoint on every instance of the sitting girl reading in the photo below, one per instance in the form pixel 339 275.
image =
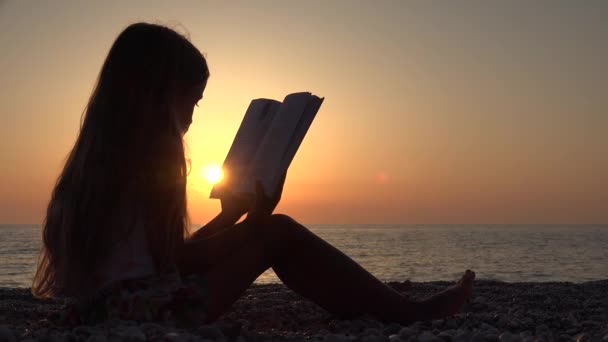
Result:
pixel 115 238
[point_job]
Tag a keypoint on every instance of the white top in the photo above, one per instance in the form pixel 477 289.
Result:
pixel 129 258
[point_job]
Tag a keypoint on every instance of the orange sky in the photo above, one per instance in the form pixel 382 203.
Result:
pixel 468 112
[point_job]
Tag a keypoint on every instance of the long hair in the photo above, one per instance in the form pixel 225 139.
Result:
pixel 127 166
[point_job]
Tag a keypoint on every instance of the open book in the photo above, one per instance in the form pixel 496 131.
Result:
pixel 267 140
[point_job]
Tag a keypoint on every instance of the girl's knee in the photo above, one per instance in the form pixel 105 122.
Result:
pixel 280 220
pixel 280 227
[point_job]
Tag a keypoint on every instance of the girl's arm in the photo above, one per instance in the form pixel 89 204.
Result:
pixel 233 208
pixel 222 221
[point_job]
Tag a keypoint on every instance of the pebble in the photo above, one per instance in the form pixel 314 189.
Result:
pixel 461 337
pixel 452 324
pixel 130 334
pixel 419 326
pixel 525 334
pixel 7 334
pixel 406 332
pixel 152 328
pixel 428 336
pixel 211 332
pixel 479 306
pixel 371 331
pixel 374 338
pixel 87 330
pixel 589 323
pixel 97 338
pixel 573 331
pixel 69 337
pixel 502 322
pixel 230 329
pixel 356 326
pixel 437 323
pixel 50 338
pixel 391 329
pixel 445 335
pixel 514 324
pixel 487 328
pixel 172 337
pixel 185 337
pixel 492 337
pixel 337 338
pixel 527 322
pixel 394 338
pixel 478 337
pixel 542 329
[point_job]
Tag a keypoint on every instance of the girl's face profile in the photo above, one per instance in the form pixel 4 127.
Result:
pixel 185 103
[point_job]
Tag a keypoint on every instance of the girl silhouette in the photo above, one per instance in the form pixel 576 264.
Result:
pixel 115 238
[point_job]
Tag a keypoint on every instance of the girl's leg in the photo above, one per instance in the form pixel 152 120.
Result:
pixel 315 269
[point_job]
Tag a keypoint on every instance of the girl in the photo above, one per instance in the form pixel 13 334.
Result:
pixel 115 238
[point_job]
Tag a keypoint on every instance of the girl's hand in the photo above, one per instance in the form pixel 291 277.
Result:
pixel 234 206
pixel 264 205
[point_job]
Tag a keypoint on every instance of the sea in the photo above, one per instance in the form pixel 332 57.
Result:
pixel 510 253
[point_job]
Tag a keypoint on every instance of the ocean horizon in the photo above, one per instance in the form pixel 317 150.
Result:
pixel 419 252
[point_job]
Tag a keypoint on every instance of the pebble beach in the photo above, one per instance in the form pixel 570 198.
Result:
pixel 498 311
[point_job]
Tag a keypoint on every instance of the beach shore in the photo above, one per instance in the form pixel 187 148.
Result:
pixel 497 312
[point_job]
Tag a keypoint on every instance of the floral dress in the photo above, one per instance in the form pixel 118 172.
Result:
pixel 168 299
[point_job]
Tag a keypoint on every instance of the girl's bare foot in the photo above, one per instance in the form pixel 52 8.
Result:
pixel 447 302
pixel 451 300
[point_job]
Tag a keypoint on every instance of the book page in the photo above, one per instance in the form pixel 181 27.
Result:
pixel 256 121
pixel 281 141
pixel 312 107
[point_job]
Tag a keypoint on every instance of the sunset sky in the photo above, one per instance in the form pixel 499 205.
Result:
pixel 434 111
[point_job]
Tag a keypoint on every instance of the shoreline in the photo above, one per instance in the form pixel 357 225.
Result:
pixel 498 311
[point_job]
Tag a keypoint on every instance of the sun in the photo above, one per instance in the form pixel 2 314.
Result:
pixel 213 173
